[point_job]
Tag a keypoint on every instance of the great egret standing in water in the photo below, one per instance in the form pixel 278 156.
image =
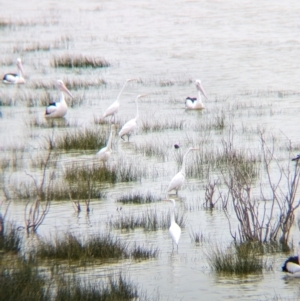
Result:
pixel 15 78
pixel 114 107
pixel 174 229
pixel 58 109
pixel 105 152
pixel 129 127
pixel 292 264
pixel 193 103
pixel 179 178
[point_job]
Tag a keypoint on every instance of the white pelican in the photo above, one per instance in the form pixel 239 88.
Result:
pixel 193 103
pixel 292 265
pixel 174 230
pixel 131 125
pixel 105 152
pixel 114 107
pixel 58 109
pixel 179 178
pixel 15 78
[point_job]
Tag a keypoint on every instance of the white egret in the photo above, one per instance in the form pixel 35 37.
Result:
pixel 58 109
pixel 130 126
pixel 193 103
pixel 174 229
pixel 292 265
pixel 114 107
pixel 179 178
pixel 15 78
pixel 105 152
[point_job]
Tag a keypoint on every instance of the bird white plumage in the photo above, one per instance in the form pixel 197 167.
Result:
pixel 129 127
pixel 174 229
pixel 113 109
pixel 193 103
pixel 178 180
pixel 58 109
pixel 15 78
pixel 105 152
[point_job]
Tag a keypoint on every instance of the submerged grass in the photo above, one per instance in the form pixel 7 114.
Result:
pixel 237 259
pixel 22 281
pixel 139 253
pixel 116 289
pixel 95 173
pixel 148 221
pixel 150 125
pixel 84 139
pixel 10 240
pixel 138 198
pixel 78 61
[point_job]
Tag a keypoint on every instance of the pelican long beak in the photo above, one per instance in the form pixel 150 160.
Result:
pixel 65 89
pixel 142 95
pixel 20 66
pixel 199 86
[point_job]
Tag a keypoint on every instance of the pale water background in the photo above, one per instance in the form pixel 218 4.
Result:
pixel 247 55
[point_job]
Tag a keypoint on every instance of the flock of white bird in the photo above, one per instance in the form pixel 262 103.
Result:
pixel 59 110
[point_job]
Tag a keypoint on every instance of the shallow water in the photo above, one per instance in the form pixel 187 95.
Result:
pixel 247 56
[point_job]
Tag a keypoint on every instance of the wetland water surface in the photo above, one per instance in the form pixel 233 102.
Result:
pixel 247 57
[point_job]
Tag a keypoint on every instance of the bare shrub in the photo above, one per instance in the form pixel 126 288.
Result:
pixel 268 216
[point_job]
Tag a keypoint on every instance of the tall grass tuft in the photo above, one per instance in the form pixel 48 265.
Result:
pixel 78 61
pixel 71 248
pixel 242 258
pixel 10 240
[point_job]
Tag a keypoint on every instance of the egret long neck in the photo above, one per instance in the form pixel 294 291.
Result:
pixel 183 162
pixel 172 215
pixel 137 110
pixel 122 90
pixel 109 140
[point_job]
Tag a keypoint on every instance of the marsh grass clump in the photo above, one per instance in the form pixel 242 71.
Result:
pixel 242 258
pixel 71 248
pixel 78 61
pixel 197 237
pixel 22 281
pixel 10 240
pixel 84 190
pixel 138 198
pixel 116 289
pixel 139 253
pixel 84 139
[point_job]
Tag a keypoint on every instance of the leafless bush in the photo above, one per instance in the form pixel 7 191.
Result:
pixel 269 216
pixel 35 212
